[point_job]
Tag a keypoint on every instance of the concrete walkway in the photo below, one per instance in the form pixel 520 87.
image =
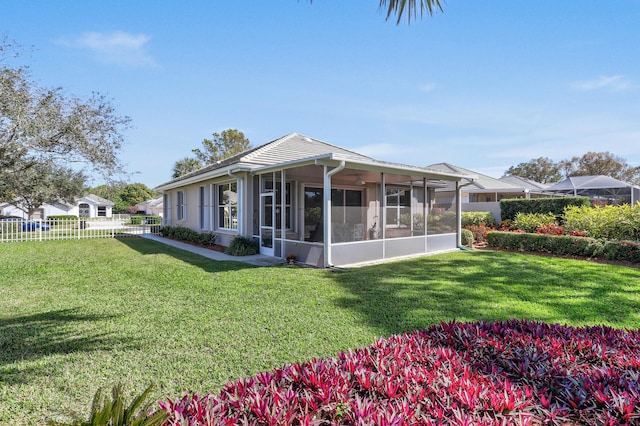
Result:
pixel 256 259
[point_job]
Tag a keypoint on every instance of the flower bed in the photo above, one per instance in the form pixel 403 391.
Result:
pixel 513 372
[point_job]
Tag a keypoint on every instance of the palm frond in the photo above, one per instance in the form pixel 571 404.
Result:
pixel 409 8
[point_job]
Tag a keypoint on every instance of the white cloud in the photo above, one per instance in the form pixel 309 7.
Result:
pixel 116 47
pixel 615 83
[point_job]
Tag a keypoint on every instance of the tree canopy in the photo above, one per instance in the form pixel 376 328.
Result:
pixel 222 145
pixel 184 166
pixel 124 195
pixel 42 184
pixel 44 128
pixel 545 170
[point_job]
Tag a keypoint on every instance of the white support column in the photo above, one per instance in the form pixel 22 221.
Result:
pixel 459 214
pixel 326 229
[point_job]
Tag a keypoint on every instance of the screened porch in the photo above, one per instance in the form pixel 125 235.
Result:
pixel 332 214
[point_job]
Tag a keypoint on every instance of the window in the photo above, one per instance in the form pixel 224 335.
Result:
pixel 102 210
pixel 181 204
pixel 398 207
pixel 166 209
pixel 202 208
pixel 228 205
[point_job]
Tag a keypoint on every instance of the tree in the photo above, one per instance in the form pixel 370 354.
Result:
pixel 541 169
pixel 544 170
pixel 43 184
pixel 135 193
pixel 45 128
pixel 223 145
pixel 124 195
pixel 184 166
pixel 409 8
pixel 601 163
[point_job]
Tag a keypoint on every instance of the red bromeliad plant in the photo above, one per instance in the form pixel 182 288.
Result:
pixel 503 373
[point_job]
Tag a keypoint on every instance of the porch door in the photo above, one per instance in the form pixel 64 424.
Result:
pixel 267 228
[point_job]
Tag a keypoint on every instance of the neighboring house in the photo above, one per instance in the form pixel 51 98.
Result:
pixel 483 193
pixel 89 205
pixel 600 189
pixel 324 204
pixel 152 207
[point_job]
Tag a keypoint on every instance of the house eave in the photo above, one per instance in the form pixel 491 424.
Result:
pixel 223 171
pixel 333 160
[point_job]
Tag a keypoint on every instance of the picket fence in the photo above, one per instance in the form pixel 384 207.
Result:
pixel 80 228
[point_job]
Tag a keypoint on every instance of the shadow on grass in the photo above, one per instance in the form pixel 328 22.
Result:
pixel 146 246
pixel 489 286
pixel 60 332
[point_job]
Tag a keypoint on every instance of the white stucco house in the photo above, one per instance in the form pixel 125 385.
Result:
pixel 89 205
pixel 325 204
pixel 152 207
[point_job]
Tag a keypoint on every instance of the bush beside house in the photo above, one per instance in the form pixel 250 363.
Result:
pixel 509 208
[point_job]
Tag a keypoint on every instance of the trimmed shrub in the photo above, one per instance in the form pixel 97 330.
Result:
pixel 467 238
pixel 242 246
pixel 506 372
pixel 627 251
pixel 477 218
pixel 530 222
pixel 509 208
pixel 561 245
pixel 181 233
pixel 150 220
pixel 62 217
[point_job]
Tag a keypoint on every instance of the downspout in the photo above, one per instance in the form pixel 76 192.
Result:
pixel 240 180
pixel 327 211
pixel 459 214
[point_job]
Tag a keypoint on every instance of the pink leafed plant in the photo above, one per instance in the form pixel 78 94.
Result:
pixel 502 373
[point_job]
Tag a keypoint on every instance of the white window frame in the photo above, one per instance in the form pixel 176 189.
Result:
pixel 398 207
pixel 222 207
pixel 203 202
pixel 181 205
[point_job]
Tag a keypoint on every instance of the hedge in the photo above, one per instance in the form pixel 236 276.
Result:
pixel 188 235
pixel 509 208
pixel 628 251
pixel 150 220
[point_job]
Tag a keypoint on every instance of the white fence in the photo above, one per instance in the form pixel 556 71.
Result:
pixel 13 230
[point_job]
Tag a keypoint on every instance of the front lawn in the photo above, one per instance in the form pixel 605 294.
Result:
pixel 78 315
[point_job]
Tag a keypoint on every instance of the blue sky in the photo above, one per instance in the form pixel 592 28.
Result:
pixel 484 85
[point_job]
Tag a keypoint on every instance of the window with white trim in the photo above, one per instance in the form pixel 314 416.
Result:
pixel 181 205
pixel 228 205
pixel 398 203
pixel 202 207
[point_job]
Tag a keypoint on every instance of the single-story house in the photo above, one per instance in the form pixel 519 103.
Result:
pixel 483 193
pixel 89 205
pixel 324 204
pixel 152 207
pixel 600 189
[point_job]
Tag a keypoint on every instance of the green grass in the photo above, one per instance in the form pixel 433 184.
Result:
pixel 82 314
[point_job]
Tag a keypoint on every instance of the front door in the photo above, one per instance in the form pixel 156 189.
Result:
pixel 267 230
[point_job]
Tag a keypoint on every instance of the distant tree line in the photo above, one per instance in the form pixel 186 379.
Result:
pixel 545 170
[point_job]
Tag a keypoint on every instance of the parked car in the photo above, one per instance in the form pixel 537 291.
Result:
pixel 27 225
